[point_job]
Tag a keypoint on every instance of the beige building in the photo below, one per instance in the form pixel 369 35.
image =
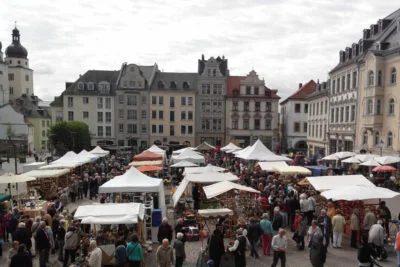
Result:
pixel 172 109
pixel 251 111
pixel 378 128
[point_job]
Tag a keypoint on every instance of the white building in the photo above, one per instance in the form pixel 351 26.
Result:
pixel 294 119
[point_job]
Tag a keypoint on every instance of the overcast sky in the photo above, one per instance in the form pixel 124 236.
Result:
pixel 285 41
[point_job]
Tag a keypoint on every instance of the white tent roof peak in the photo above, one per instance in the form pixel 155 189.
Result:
pixel 323 183
pixel 260 152
pixel 155 149
pixel 225 186
pixel 230 147
pixel 208 168
pixel 184 163
pixel 100 151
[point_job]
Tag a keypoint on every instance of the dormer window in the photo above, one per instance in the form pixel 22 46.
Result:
pixel 90 86
pixel 160 85
pixel 236 92
pixel 132 69
pixel 104 87
pixel 268 93
pixel 81 86
pixel 185 85
pixel 172 85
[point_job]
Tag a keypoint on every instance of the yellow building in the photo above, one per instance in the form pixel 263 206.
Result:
pixel 172 109
pixel 378 123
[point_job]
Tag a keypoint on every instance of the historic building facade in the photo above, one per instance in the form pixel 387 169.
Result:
pixel 294 119
pixel 251 111
pixel 210 101
pixel 378 128
pixel 172 109
pixel 318 114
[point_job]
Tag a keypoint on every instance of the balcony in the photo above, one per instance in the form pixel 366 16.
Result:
pixel 373 121
pixel 373 91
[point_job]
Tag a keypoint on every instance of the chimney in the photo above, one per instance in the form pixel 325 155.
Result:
pixel 300 85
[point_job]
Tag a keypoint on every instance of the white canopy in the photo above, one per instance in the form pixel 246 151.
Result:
pixel 208 168
pixel 89 155
pixel 359 192
pixel 99 151
pixel 33 166
pixel 370 163
pixel 111 213
pixel 189 155
pixel 207 178
pixel 225 186
pixel 146 162
pixel 15 178
pixel 184 163
pixel 157 150
pixel 135 181
pixel 292 170
pixel 179 151
pixel 352 159
pixel 47 173
pixel 205 146
pixel 331 157
pixel 386 160
pixel 269 166
pixel 215 212
pixel 230 147
pixel 260 152
pixel 241 151
pixel 69 160
pixel 344 154
pixel 365 157
pixel 323 183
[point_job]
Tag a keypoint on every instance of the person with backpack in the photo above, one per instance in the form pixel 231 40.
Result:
pixel 134 252
pixel 397 247
pixel 239 248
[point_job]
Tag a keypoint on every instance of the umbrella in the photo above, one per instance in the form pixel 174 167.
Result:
pixel 385 168
pixel 370 163
pixel 344 154
pixel 352 159
pixel 15 178
pixel 149 168
pixel 331 157
pixel 359 192
pixel 388 160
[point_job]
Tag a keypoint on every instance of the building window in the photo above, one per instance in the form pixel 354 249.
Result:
pixel 183 129
pixel 121 113
pixel 99 116
pixel 365 138
pixel 376 138
pixel 257 106
pixel 160 114
pixel 144 128
pixel 99 130
pixel 81 86
pixel 268 106
pixel 70 101
pixel 172 116
pixel 121 99
pixel 43 123
pixel 86 115
pixel 161 100
pixel 257 124
pixel 190 115
pixel 132 100
pixel 355 80
pixel 154 114
pixel 235 106
pixel 248 90
pixel 85 100
pixel 378 107
pixel 348 82
pixel 27 78
pixel 160 85
pixel 121 128
pixel 297 108
pixel 190 129
pixel 121 142
pixel 70 115
pixel 132 114
pixel 108 103
pixel 144 114
pixel 267 124
pixel 183 101
pixel 389 139
pixel 379 82
pixel 305 127
pixel 108 117
pixel 153 128
pixel 347 114
pixel 108 130
pixel 353 113
pixel 183 115
pixel 333 86
pixel 391 106
pixel 332 115
pixel 91 86
pixel 343 83
pixel 144 100
pixel 43 133
pixel 246 124
pixel 393 76
pixel 99 102
pixel 370 78
pixel 322 108
pixel 246 106
pixel 11 90
pixel 154 100
pixel 190 101
pixel 235 124
pixel 160 129
pixel 296 127
pixel 320 131
pixel 172 85
pixel 337 115
pixel 370 107
pixel 132 128
pixel 172 130
pixel 11 76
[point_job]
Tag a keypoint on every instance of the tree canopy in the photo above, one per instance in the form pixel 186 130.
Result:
pixel 72 135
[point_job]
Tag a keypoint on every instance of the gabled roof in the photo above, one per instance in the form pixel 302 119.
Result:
pixel 28 106
pixel 178 77
pixel 232 83
pixel 303 92
pixel 94 76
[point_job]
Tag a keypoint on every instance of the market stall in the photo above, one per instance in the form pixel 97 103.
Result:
pixel 358 192
pixel 258 151
pixel 32 166
pixel 230 147
pixel 205 147
pixel 146 162
pixel 206 169
pixel 147 156
pixel 14 184
pixel 183 164
pixel 292 170
pixel 189 155
pixel 270 166
pixel 318 170
pixel 47 182
pixel 157 150
pixel 323 183
pixel 99 151
pixel 149 168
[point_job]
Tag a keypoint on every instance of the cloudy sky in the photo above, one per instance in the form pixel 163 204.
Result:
pixel 285 41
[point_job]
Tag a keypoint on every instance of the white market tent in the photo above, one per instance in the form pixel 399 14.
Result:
pixel 386 160
pixel 270 166
pixel 241 151
pixel 99 151
pixel 189 155
pixel 331 157
pixel 135 181
pixel 205 146
pixel 146 162
pixel 370 163
pixel 344 154
pixel 183 164
pixel 230 147
pixel 15 178
pixel 215 212
pixel 180 151
pixel 352 159
pixel 201 178
pixel 206 169
pixel 358 192
pixel 323 183
pixel 89 155
pixel 157 150
pixel 285 170
pixel 33 166
pixel 69 160
pixel 261 153
pixel 110 213
pixel 365 157
pixel 225 186
pixel 47 173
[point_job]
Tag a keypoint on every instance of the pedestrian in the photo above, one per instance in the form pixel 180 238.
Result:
pixel 317 248
pixel 21 235
pixel 179 247
pixel 60 237
pixel 386 216
pixel 266 236
pixel 85 184
pixel 71 244
pixel 355 228
pixel 164 254
pixel 313 229
pixel 42 244
pixel 196 197
pixel 80 189
pixel 253 234
pixel 325 224
pixel 22 258
pixel 397 248
pixel 291 206
pixel 95 255
pixel 13 251
pixel 301 231
pixel 164 231
pixel 239 248
pixel 179 228
pixel 375 237
pixel 1 241
pixel 369 220
pixel 120 253
pixel 305 206
pixel 277 220
pixel 216 246
pixel 366 253
pixel 279 246
pixel 338 223
pixel 134 252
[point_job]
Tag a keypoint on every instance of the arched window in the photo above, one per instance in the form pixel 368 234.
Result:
pixel 370 107
pixel 389 139
pixel 365 138
pixel 185 85
pixel 172 85
pixel 391 106
pixel 393 76
pixel 370 78
pixel 379 78
pixel 378 107
pixel 376 138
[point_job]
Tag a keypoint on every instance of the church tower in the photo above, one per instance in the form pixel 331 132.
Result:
pixel 20 76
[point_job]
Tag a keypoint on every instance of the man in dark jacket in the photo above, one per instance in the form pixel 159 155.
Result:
pixel 216 246
pixel 291 205
pixel 22 236
pixel 42 244
pixel 164 231
pixel 253 234
pixel 325 223
pixel 277 221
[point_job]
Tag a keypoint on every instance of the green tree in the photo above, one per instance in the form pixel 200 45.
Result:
pixel 66 136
